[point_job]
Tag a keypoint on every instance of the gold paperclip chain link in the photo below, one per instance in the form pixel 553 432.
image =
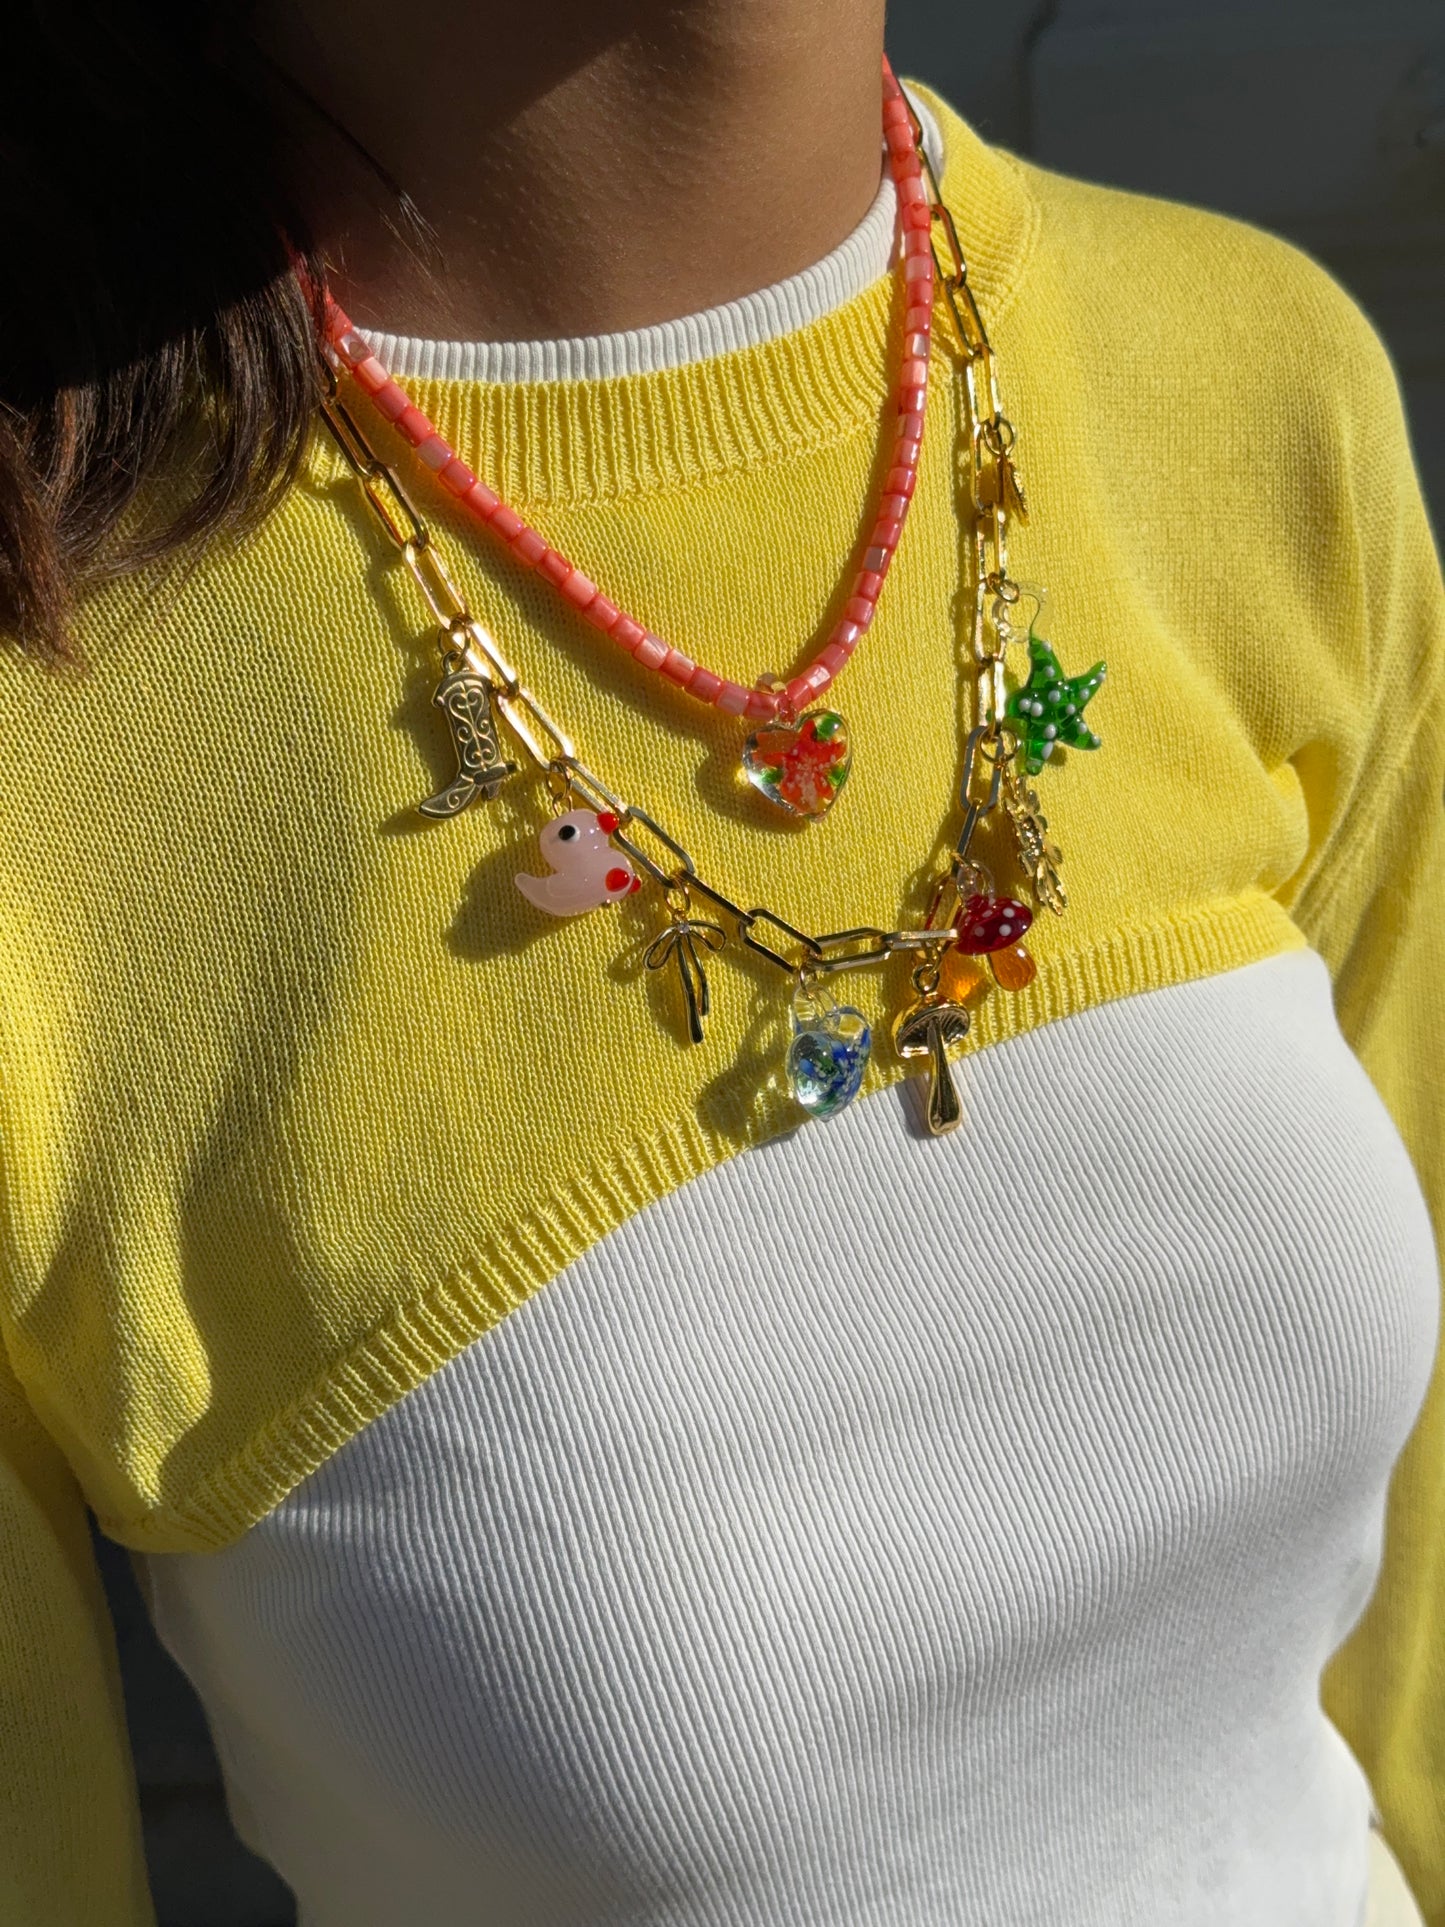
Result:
pixel 995 492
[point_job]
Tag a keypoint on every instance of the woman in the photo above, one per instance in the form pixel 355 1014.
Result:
pixel 581 1484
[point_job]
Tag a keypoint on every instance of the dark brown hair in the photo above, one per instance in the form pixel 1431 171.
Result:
pixel 148 303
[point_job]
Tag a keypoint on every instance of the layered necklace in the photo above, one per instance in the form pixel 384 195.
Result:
pixel 601 848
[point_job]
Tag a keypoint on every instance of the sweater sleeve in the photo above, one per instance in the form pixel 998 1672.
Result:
pixel 70 1838
pixel 1372 901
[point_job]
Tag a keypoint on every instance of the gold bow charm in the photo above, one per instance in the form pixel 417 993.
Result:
pixel 679 940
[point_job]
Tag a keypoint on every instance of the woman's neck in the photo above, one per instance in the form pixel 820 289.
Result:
pixel 582 168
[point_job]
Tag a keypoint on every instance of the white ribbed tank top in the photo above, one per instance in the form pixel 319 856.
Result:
pixel 877 1531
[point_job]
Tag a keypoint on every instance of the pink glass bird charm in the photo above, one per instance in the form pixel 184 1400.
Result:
pixel 586 871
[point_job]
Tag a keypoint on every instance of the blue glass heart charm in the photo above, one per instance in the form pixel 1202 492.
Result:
pixel 827 1056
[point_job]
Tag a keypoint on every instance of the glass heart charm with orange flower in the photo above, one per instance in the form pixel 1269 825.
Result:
pixel 799 762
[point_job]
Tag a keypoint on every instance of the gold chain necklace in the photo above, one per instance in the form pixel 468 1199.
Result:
pixel 604 845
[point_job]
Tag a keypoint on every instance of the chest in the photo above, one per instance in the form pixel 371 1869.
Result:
pixel 868 1461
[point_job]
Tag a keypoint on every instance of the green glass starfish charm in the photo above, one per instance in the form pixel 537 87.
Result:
pixel 1049 708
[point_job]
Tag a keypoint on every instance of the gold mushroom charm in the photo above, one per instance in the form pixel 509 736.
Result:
pixel 931 1028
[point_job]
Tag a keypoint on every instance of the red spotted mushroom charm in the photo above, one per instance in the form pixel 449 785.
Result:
pixel 586 871
pixel 991 923
pixel 992 926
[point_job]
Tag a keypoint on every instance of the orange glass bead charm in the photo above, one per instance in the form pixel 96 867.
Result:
pixel 1014 968
pixel 962 979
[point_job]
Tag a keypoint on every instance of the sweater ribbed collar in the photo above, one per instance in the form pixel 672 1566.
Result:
pixel 858 261
pixel 575 439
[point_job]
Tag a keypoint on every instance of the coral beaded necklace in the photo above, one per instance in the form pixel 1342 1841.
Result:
pixel 600 848
pixel 801 759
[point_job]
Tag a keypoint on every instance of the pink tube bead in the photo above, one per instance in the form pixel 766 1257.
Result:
pixel 901 140
pixel 908 445
pixel 813 681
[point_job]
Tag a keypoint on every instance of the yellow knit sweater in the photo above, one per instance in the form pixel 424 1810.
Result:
pixel 296 1097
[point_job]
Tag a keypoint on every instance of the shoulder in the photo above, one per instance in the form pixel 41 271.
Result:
pixel 1199 301
pixel 1229 420
pixel 1243 305
pixel 1215 381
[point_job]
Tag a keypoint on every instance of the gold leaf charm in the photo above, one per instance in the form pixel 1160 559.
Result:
pixel 998 482
pixel 1011 489
pixel 1039 857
